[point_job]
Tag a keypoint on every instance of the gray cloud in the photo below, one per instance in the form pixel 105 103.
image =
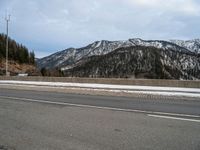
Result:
pixel 47 26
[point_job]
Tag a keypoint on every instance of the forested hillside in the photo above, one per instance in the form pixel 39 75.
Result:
pixel 139 62
pixel 17 52
pixel 21 60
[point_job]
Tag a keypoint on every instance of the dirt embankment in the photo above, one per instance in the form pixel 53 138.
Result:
pixel 15 68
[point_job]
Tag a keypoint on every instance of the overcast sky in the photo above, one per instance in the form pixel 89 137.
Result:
pixel 47 26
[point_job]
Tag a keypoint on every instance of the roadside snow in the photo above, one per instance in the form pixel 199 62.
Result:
pixel 154 90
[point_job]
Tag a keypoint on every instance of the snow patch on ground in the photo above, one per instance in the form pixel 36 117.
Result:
pixel 152 90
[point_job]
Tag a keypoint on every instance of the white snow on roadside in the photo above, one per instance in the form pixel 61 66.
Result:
pixel 154 90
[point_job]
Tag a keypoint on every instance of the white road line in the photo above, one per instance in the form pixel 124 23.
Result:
pixel 174 118
pixel 97 107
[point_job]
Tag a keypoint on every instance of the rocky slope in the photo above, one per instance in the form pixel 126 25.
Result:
pixel 14 68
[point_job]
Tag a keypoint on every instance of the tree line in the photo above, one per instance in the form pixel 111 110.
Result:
pixel 17 52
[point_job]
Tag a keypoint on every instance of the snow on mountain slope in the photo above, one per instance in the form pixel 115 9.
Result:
pixel 192 45
pixel 56 59
pixel 158 44
pixel 70 56
pixel 67 58
pixel 139 62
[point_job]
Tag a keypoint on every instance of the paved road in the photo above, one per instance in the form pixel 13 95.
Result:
pixel 191 107
pixel 27 124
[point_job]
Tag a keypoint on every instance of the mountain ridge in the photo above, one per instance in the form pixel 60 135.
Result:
pixel 70 56
pixel 136 58
pixel 137 62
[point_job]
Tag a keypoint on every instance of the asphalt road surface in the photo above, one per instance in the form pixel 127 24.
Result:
pixel 33 120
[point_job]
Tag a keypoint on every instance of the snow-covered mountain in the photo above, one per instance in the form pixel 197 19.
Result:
pixel 139 62
pixel 68 58
pixel 192 45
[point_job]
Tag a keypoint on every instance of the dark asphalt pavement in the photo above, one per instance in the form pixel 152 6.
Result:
pixel 190 107
pixel 26 125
